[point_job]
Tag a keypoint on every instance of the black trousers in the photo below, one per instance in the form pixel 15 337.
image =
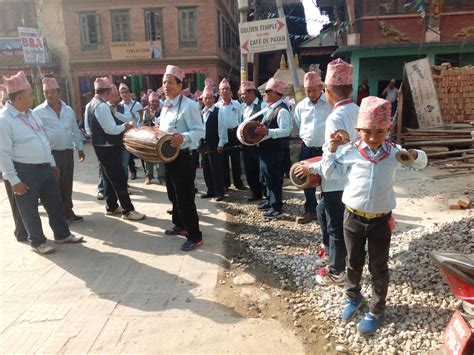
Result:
pixel 65 163
pixel 195 161
pixel 180 186
pixel 233 152
pixel 213 174
pixel 252 170
pixel 20 231
pixel 377 234
pixel 115 181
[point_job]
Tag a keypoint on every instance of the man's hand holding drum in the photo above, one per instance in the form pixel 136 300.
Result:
pixel 261 130
pixel 177 140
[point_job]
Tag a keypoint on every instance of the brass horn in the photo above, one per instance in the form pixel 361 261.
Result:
pixel 404 157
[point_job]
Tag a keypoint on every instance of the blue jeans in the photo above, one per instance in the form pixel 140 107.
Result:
pixel 42 184
pixel 334 213
pixel 310 194
pixel 321 213
pixel 271 171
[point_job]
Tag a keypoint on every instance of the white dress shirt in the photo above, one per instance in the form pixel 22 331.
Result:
pixel 247 109
pixel 22 140
pixel 62 131
pixel 284 121
pixel 131 114
pixel 369 187
pixel 183 118
pixel 230 112
pixel 310 120
pixel 342 117
pixel 104 116
pixel 221 127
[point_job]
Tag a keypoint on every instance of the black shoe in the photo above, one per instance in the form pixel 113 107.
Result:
pixel 74 218
pixel 254 198
pixel 21 239
pixel 241 187
pixel 170 211
pixel 133 176
pixel 207 195
pixel 190 245
pixel 100 196
pixel 219 198
pixel 176 231
pixel 265 206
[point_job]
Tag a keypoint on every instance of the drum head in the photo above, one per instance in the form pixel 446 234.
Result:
pixel 296 180
pixel 165 152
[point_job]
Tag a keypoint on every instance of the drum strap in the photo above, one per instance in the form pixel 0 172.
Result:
pixel 177 113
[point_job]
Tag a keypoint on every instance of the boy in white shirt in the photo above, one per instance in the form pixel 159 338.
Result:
pixel 370 164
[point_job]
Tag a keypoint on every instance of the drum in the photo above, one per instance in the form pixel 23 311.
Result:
pixel 246 133
pixel 150 144
pixel 307 182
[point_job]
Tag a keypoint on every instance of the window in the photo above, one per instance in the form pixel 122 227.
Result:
pixel 90 30
pixel 12 16
pixel 187 27
pixel 120 26
pixel 153 24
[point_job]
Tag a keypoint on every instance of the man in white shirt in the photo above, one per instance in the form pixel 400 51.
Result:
pixel 230 112
pixel 310 121
pixel 107 134
pixel 132 112
pixel 251 105
pixel 390 93
pixel 27 163
pixel 60 125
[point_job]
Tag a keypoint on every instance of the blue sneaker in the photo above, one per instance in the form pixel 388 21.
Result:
pixel 272 214
pixel 351 307
pixel 264 206
pixel 370 323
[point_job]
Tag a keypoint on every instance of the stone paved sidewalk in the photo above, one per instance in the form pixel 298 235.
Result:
pixel 128 289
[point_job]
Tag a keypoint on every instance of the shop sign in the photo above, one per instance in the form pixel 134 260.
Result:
pixel 33 45
pixel 136 50
pixel 11 51
pixel 263 36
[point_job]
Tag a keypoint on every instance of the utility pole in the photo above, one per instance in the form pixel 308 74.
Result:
pixel 291 62
pixel 243 9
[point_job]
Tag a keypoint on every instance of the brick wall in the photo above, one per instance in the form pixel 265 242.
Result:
pixel 206 25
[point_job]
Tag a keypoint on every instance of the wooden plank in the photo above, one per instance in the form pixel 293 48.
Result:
pixel 424 94
pixel 399 114
pixel 452 142
pixel 451 152
pixel 442 161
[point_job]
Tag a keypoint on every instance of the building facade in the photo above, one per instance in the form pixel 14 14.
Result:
pixel 133 42
pixel 379 37
pixel 127 41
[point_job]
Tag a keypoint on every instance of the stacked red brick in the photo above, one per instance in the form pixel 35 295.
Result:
pixel 455 88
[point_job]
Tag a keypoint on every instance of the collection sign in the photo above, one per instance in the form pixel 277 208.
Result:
pixel 136 50
pixel 263 36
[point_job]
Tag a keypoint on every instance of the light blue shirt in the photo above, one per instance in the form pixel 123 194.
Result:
pixel 131 114
pixel 21 143
pixel 310 120
pixel 186 121
pixel 247 109
pixel 284 121
pixel 342 117
pixel 369 187
pixel 221 128
pixel 62 131
pixel 230 113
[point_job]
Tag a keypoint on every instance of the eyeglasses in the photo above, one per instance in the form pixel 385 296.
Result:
pixel 124 91
pixel 267 91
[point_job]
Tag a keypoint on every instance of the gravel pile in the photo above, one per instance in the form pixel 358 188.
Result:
pixel 419 304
